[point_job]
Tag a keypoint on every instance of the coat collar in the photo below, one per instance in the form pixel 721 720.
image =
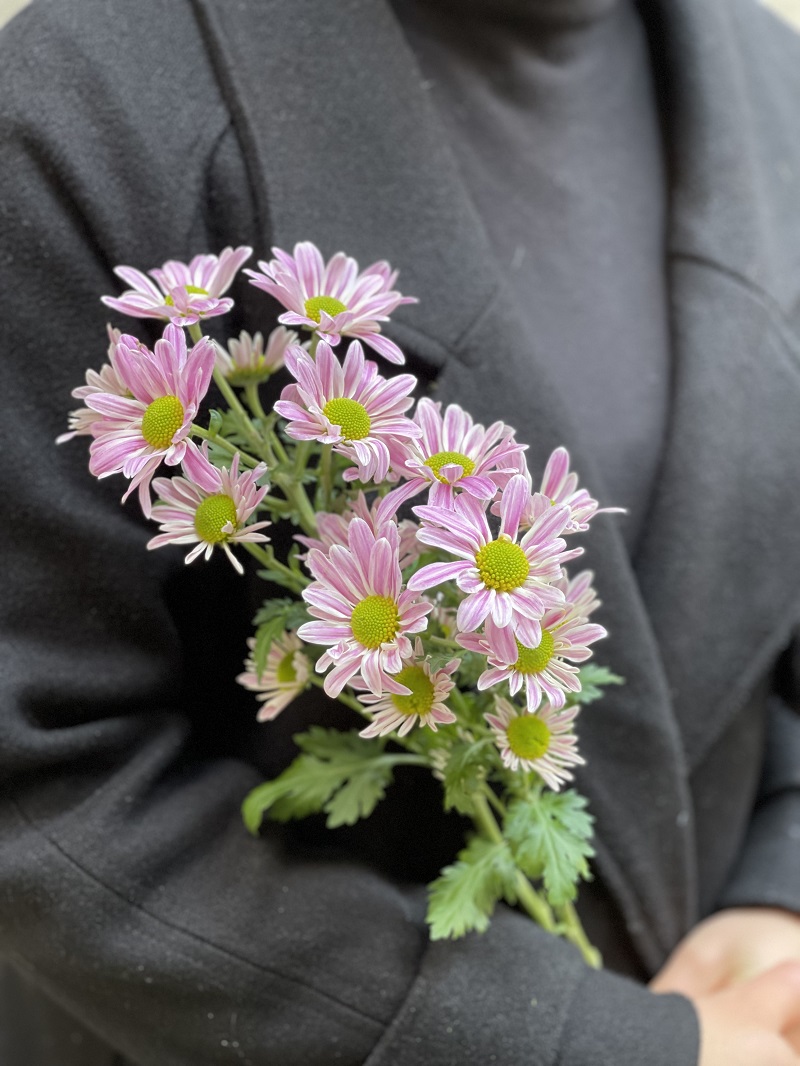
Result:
pixel 344 149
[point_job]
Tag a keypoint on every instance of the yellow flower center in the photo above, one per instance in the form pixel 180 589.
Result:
pixel 440 459
pixel 329 304
pixel 350 416
pixel 374 621
pixel 286 673
pixel 502 565
pixel 528 736
pixel 162 420
pixel 421 699
pixel 212 515
pixel 533 660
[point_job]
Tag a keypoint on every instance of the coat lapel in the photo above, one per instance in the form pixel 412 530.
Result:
pixel 720 565
pixel 345 150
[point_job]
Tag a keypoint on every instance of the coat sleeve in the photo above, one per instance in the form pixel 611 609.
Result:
pixel 767 872
pixel 129 890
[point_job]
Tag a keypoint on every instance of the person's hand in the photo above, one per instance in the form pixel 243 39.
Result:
pixel 753 1023
pixel 728 948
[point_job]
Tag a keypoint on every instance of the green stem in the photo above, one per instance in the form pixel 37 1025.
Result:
pixel 534 904
pixel 290 579
pixel 343 697
pixel 456 697
pixel 254 402
pixel 325 485
pixel 245 457
pixel 575 933
pixel 443 642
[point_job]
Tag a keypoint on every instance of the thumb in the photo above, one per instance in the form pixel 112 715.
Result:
pixel 692 973
pixel 772 999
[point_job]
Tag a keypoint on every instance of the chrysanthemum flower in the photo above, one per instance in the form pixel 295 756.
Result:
pixel 454 453
pixel 349 406
pixel 185 293
pixel 543 742
pixel 209 507
pixel 332 528
pixel 544 667
pixel 365 615
pixel 508 581
pixel 333 298
pixel 285 675
pixel 559 488
pixel 153 422
pixel 83 420
pixel 428 690
pixel 247 362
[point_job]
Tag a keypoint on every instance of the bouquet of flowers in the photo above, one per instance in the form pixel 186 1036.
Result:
pixel 456 633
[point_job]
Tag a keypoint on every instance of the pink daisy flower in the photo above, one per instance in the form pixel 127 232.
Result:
pixel 365 615
pixel 559 488
pixel 332 528
pixel 454 453
pixel 541 667
pixel 425 703
pixel 285 675
pixel 333 298
pixel 209 507
pixel 508 581
pixel 349 406
pixel 153 420
pixel 247 362
pixel 82 421
pixel 185 293
pixel 543 742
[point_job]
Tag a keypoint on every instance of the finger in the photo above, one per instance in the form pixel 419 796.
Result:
pixel 692 973
pixel 772 998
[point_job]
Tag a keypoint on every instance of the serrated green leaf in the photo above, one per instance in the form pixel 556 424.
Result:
pixel 338 773
pixel 463 773
pixel 266 633
pixel 593 677
pixel 464 896
pixel 550 837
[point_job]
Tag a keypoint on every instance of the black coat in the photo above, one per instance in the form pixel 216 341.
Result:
pixel 129 892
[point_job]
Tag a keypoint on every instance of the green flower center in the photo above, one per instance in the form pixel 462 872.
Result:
pixel 421 699
pixel 212 514
pixel 162 420
pixel 533 660
pixel 286 674
pixel 440 459
pixel 350 416
pixel 329 304
pixel 374 621
pixel 528 736
pixel 193 290
pixel 502 565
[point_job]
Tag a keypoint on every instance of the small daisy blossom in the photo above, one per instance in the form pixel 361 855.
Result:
pixel 209 507
pixel 364 614
pixel 453 452
pixel 82 421
pixel 425 703
pixel 247 362
pixel 349 406
pixel 332 528
pixel 185 293
pixel 559 488
pixel 540 667
pixel 285 675
pixel 511 583
pixel 543 742
pixel 152 421
pixel 333 298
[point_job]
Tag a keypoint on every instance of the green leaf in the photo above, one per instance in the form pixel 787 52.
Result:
pixel 265 635
pixel 550 837
pixel 593 677
pixel 273 619
pixel 464 773
pixel 338 773
pixel 464 896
